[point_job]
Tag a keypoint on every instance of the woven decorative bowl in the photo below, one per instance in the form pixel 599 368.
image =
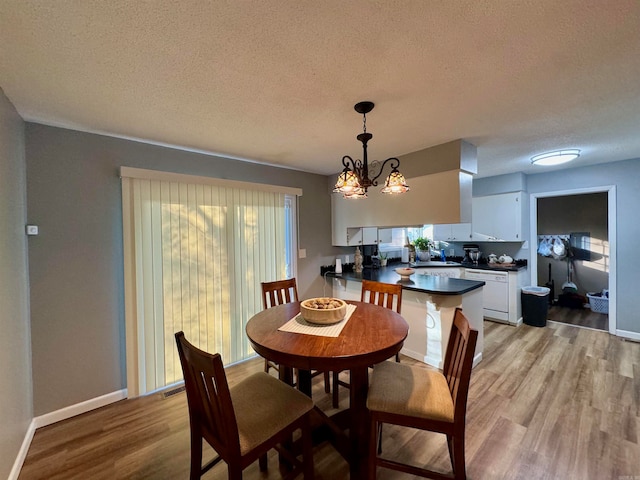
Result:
pixel 323 310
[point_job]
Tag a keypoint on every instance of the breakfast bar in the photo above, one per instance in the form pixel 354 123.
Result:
pixel 428 306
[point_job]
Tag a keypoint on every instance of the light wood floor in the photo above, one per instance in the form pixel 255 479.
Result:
pixel 582 317
pixel 557 402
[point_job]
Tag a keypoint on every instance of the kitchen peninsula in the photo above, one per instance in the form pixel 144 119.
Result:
pixel 428 305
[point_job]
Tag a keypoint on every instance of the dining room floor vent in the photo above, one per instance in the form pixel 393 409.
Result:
pixel 173 391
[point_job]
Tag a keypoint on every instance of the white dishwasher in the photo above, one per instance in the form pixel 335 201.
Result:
pixel 495 302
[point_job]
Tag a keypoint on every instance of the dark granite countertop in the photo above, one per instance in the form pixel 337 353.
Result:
pixel 515 267
pixel 419 283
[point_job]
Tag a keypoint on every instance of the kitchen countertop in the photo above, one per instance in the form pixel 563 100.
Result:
pixel 419 283
pixel 514 267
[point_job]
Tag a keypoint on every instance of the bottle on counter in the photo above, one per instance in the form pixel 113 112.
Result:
pixel 357 266
pixel 412 251
pixel 443 257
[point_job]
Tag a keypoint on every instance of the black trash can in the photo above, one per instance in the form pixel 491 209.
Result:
pixel 535 305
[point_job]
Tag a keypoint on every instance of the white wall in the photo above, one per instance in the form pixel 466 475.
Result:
pixel 16 403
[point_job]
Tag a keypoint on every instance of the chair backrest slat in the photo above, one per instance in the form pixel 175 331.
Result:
pixel 382 294
pixel 458 361
pixel 279 292
pixel 210 409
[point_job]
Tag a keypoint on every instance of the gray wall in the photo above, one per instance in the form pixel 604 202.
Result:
pixel 15 345
pixel 76 261
pixel 76 270
pixel 625 175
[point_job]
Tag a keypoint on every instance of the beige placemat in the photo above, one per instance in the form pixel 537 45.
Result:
pixel 299 325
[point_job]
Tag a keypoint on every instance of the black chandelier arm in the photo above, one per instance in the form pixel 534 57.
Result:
pixel 356 165
pixel 393 165
pixel 345 160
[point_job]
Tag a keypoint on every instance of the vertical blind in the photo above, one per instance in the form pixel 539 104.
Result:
pixel 195 254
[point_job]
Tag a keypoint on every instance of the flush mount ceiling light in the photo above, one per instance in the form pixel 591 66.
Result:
pixel 354 180
pixel 555 158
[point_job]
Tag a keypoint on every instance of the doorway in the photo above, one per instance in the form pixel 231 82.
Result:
pixel 583 221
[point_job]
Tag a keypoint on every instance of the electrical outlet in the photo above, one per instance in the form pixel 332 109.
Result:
pixel 32 230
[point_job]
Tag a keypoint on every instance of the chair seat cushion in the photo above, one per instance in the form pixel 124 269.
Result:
pixel 411 391
pixel 265 405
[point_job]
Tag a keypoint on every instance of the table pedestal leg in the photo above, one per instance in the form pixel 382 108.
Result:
pixel 285 374
pixel 304 382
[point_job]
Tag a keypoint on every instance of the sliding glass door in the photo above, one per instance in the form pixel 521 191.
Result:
pixel 195 256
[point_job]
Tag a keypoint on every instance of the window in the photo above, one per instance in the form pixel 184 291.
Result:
pixel 196 250
pixel 400 236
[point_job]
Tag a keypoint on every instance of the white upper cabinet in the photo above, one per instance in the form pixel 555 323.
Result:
pixel 368 236
pixel 498 217
pixel 362 236
pixel 385 235
pixel 452 232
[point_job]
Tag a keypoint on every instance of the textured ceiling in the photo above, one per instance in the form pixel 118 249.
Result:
pixel 275 81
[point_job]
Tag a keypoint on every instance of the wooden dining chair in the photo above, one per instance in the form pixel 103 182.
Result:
pixel 244 422
pixel 386 295
pixel 383 294
pixel 425 399
pixel 279 292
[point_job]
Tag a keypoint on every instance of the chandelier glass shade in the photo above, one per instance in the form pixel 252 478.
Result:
pixel 395 183
pixel 354 179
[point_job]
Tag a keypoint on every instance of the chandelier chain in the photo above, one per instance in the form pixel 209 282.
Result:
pixel 364 122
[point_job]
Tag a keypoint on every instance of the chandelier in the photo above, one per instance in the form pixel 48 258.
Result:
pixel 354 180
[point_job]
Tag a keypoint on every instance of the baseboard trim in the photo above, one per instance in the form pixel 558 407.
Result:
pixel 22 453
pixel 477 359
pixel 58 415
pixel 79 408
pixel 627 334
pixel 412 354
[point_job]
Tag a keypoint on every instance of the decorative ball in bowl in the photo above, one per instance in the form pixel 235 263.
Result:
pixel 404 272
pixel 323 310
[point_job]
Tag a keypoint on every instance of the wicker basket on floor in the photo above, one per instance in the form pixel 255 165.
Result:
pixel 599 304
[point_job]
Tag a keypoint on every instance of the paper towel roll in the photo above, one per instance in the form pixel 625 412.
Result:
pixel 338 265
pixel 405 255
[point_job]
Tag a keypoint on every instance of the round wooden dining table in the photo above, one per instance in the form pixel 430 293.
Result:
pixel 371 335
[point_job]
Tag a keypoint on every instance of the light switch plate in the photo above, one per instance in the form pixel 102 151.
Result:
pixel 302 253
pixel 32 230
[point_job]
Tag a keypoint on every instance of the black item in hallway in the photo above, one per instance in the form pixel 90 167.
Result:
pixel 571 300
pixel 552 288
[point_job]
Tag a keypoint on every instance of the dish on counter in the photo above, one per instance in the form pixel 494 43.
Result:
pixel 405 273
